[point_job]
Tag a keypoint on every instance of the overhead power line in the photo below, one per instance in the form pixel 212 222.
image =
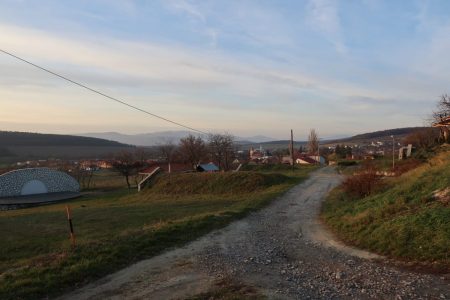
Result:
pixel 100 93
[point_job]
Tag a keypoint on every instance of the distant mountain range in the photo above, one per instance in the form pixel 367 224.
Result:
pixel 160 137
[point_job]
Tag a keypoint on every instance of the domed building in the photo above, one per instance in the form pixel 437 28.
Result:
pixel 42 184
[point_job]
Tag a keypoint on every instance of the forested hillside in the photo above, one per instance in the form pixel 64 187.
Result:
pixel 14 138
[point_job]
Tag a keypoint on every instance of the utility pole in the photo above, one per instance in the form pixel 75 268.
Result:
pixel 318 151
pixel 291 148
pixel 393 153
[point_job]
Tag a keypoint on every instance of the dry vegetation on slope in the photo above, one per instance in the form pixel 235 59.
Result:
pixel 408 218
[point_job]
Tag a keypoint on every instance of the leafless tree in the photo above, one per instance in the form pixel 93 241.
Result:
pixel 442 108
pixel 83 174
pixel 221 148
pixel 192 149
pixel 167 149
pixel 141 154
pixel 126 164
pixel 313 142
pixel 441 112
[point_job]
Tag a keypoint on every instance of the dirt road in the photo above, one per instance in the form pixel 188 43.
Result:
pixel 282 250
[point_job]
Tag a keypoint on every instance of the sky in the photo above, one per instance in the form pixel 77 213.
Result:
pixel 243 67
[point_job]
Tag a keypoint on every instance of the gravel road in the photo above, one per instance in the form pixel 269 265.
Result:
pixel 282 250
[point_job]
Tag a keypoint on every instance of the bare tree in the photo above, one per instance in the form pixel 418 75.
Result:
pixel 192 149
pixel 442 108
pixel 221 149
pixel 441 113
pixel 141 154
pixel 313 142
pixel 167 150
pixel 82 173
pixel 126 164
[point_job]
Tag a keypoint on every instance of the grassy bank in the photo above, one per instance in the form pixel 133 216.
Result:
pixel 118 228
pixel 405 219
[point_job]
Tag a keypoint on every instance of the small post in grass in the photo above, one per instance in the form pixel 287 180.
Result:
pixel 69 218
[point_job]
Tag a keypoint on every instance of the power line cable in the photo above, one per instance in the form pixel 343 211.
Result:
pixel 100 93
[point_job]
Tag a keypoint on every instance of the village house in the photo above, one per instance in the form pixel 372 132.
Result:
pixel 303 159
pixel 209 168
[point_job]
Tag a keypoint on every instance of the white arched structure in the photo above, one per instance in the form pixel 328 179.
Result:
pixel 36 181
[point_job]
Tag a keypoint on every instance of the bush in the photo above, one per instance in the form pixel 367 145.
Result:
pixel 406 165
pixel 364 183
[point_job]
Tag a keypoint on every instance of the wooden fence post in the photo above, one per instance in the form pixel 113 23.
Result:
pixel 69 218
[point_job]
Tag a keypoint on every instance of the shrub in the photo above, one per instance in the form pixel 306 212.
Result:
pixel 364 182
pixel 406 165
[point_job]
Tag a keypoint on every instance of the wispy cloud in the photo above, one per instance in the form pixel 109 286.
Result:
pixel 186 7
pixel 323 16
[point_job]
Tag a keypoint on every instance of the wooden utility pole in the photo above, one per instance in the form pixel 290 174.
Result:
pixel 318 151
pixel 393 153
pixel 291 149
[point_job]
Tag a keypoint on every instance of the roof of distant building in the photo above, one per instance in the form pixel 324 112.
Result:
pixel 307 159
pixel 209 167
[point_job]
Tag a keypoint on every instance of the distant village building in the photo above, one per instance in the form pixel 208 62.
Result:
pixel 261 156
pixel 305 160
pixel 95 164
pixel 209 168
pixel 256 154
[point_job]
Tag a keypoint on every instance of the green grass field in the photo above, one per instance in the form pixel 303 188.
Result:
pixel 117 228
pixel 402 220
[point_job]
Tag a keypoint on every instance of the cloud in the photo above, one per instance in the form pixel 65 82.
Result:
pixel 160 69
pixel 186 8
pixel 323 17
